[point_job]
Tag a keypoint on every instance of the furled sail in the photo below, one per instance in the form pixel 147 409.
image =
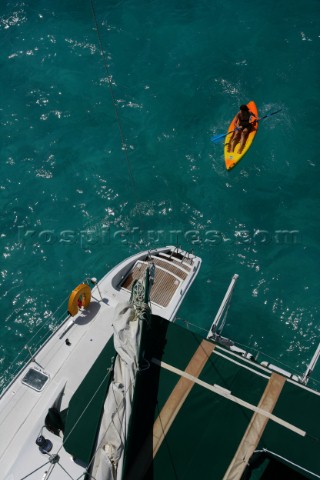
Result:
pixel 129 319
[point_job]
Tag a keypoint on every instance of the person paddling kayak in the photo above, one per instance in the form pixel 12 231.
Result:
pixel 243 128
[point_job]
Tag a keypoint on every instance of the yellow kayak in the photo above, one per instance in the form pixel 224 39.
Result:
pixel 231 159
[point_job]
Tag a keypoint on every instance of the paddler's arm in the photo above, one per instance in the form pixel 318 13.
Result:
pixel 256 119
pixel 237 122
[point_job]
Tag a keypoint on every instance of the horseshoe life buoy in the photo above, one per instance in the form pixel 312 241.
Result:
pixel 80 297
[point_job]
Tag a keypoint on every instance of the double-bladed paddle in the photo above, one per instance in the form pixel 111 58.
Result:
pixel 217 138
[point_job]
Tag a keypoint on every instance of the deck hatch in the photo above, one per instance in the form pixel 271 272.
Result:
pixel 35 379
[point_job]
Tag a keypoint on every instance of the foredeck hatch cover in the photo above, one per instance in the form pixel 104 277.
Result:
pixel 35 379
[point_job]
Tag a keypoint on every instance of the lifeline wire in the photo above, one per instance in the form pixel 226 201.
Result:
pixel 111 93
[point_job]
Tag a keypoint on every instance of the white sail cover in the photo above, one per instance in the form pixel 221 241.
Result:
pixel 117 408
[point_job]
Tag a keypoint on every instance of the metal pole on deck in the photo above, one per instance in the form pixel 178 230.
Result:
pixel 311 365
pixel 95 282
pixel 223 306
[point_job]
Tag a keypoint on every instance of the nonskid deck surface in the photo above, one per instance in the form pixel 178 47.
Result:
pixel 168 275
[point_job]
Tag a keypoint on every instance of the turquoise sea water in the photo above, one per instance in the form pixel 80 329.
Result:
pixel 91 174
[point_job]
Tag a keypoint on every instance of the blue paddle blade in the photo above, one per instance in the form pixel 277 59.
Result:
pixel 217 138
pixel 269 114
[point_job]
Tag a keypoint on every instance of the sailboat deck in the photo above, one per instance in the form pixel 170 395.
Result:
pixel 59 369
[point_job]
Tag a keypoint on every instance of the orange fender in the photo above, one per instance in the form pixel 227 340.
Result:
pixel 80 295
